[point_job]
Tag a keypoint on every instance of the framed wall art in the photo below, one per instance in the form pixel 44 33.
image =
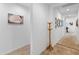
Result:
pixel 15 19
pixel 77 23
pixel 58 23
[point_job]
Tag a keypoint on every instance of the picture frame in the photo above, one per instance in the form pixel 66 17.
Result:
pixel 58 22
pixel 15 19
pixel 77 23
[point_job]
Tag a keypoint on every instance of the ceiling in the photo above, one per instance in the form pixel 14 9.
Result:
pixel 67 9
pixel 61 7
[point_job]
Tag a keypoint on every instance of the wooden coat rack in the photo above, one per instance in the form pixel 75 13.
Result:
pixel 50 48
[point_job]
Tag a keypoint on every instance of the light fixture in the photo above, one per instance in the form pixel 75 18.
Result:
pixel 68 9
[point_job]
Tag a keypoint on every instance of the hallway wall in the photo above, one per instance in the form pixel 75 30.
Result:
pixel 39 28
pixel 13 36
pixel 77 30
pixel 57 33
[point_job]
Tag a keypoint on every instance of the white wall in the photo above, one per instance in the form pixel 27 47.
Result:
pixel 13 36
pixel 77 30
pixel 57 33
pixel 39 28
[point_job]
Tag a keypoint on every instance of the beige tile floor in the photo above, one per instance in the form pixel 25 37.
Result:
pixel 68 45
pixel 21 51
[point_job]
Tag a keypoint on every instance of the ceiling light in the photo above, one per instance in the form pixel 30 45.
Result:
pixel 67 9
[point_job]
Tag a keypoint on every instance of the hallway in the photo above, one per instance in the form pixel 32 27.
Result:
pixel 29 28
pixel 63 29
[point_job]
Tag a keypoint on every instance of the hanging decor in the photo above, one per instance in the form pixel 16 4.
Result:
pixel 58 22
pixel 77 22
pixel 71 23
pixel 15 19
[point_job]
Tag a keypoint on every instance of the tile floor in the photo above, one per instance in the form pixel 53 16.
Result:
pixel 68 45
pixel 21 51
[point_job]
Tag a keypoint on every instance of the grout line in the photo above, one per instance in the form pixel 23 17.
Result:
pixel 68 47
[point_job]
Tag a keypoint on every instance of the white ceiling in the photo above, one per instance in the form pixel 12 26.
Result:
pixel 61 7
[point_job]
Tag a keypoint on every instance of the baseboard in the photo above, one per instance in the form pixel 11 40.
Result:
pixel 15 49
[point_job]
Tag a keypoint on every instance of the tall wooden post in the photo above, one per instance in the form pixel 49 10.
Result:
pixel 49 33
pixel 50 48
